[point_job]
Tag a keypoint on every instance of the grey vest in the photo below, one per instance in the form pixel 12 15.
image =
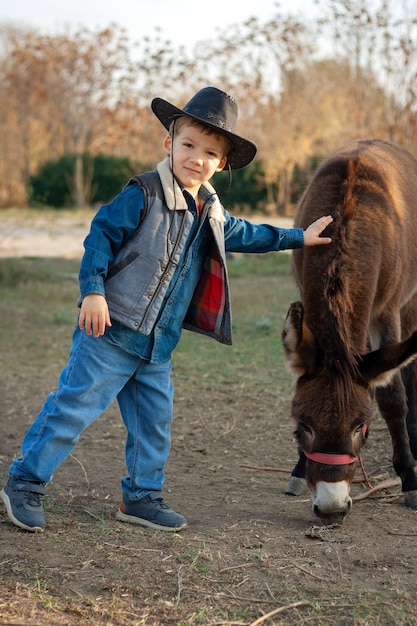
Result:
pixel 139 275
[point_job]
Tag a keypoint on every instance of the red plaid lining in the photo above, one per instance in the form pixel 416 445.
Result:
pixel 208 300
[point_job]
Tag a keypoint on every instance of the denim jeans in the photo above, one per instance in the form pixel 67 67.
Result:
pixel 98 372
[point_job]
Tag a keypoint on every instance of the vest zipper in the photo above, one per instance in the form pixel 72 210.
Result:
pixel 168 266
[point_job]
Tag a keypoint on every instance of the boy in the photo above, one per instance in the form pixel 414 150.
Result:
pixel 154 263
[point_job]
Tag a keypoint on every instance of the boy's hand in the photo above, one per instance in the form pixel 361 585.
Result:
pixel 313 232
pixel 94 315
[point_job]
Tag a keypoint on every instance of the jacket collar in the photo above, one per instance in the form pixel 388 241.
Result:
pixel 174 196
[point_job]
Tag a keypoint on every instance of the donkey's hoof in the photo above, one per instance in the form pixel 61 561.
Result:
pixel 296 486
pixel 410 498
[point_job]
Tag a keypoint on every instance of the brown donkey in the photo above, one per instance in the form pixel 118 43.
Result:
pixel 352 336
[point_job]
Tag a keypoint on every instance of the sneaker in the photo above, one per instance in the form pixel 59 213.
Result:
pixel 23 500
pixel 150 511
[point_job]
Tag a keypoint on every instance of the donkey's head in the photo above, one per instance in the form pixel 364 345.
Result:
pixel 332 407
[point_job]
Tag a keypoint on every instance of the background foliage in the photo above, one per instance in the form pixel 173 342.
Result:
pixel 104 176
pixel 303 89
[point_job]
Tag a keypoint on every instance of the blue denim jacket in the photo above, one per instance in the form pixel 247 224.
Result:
pixel 117 238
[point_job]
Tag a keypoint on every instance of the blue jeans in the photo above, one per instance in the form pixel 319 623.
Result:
pixel 96 373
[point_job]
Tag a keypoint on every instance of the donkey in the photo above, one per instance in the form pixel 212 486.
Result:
pixel 352 337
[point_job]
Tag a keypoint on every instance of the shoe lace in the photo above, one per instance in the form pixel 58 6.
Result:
pixel 160 502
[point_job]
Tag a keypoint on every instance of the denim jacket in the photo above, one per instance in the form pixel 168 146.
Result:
pixel 133 252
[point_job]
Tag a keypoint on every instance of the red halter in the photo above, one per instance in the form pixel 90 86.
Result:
pixel 334 459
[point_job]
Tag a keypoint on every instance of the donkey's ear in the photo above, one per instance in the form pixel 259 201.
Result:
pixel 378 367
pixel 300 348
pixel 292 332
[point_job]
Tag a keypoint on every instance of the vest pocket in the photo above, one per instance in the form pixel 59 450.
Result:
pixel 118 267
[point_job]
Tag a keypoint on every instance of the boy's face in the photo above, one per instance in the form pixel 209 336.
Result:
pixel 195 156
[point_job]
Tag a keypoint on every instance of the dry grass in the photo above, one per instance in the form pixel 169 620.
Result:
pixel 251 555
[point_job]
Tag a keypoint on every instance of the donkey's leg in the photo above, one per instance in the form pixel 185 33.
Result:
pixel 297 485
pixel 409 373
pixel 393 406
pixel 409 376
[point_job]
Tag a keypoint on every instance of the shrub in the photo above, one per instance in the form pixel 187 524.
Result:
pixel 104 175
pixel 247 191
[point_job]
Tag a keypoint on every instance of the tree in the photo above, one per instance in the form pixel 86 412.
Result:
pixel 303 89
pixel 60 89
pixel 82 81
pixel 22 113
pixel 378 39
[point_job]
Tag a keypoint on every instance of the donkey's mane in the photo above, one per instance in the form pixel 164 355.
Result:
pixel 341 187
pixel 340 351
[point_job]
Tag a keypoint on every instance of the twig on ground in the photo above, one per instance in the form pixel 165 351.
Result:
pixel 227 569
pixel 236 598
pixel 266 469
pixel 179 577
pixel 260 468
pixel 217 435
pixel 386 484
pixel 83 469
pixel 307 572
pixel 92 515
pixel 281 609
pixel 361 479
pixel 270 592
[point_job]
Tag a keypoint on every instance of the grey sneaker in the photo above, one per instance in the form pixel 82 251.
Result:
pixel 23 500
pixel 150 511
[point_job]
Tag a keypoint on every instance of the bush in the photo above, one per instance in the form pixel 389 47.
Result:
pixel 247 191
pixel 52 184
pixel 110 176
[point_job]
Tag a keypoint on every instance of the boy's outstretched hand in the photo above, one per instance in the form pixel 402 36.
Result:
pixel 313 232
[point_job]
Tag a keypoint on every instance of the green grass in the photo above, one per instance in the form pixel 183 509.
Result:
pixel 262 289
pixel 37 294
pixel 38 309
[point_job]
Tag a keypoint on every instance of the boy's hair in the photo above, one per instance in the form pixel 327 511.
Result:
pixel 183 120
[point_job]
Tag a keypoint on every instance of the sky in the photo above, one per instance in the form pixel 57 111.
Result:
pixel 183 22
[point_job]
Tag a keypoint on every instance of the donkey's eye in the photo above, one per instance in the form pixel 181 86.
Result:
pixel 358 429
pixel 306 428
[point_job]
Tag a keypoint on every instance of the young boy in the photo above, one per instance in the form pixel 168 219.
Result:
pixel 154 263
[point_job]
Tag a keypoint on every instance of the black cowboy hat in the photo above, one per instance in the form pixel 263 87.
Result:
pixel 216 109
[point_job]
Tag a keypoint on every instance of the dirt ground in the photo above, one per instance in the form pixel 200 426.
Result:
pixel 251 554
pixel 58 234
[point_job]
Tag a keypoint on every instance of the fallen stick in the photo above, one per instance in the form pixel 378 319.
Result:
pixel 280 610
pixel 267 469
pixel 386 484
pixel 260 468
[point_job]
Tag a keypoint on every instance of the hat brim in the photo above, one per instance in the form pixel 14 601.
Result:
pixel 242 151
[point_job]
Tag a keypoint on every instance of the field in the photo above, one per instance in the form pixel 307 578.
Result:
pixel 251 554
